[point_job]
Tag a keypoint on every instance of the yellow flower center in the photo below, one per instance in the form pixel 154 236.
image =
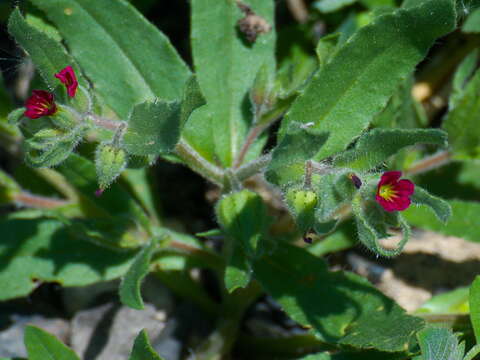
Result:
pixel 387 192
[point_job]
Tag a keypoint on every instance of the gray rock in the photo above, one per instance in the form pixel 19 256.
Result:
pixel 107 332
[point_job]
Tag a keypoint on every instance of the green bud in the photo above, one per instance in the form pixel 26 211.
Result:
pixel 49 147
pixel 302 205
pixel 110 161
pixel 64 118
pixel 261 92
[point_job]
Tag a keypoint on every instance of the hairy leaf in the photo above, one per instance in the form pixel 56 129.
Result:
pixel 462 223
pixel 472 24
pixel 372 225
pixel 131 283
pixel 378 145
pixel 142 350
pixel 451 302
pixel 474 301
pixel 126 70
pixel 289 157
pixel 39 250
pixel 48 55
pixel 344 96
pixel 116 201
pixel 243 218
pixel 461 125
pixel 464 72
pixel 153 128
pixel 42 346
pixel 440 344
pixel 226 65
pixel 440 207
pixel 340 306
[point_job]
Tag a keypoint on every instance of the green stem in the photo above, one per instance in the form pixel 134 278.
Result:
pixel 221 341
pixel 199 164
pixel 429 163
pixel 38 202
pixel 253 167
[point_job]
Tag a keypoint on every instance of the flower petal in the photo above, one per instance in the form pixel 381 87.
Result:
pixel 389 177
pixel 405 187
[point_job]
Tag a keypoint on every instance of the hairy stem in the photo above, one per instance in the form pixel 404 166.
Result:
pixel 199 164
pixel 251 137
pixel 253 167
pixel 221 341
pixel 38 202
pixel 432 162
pixel 105 123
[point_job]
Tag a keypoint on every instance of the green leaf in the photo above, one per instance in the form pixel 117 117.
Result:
pixel 228 115
pixel 41 346
pixel 440 207
pixel 39 250
pixel 452 302
pixel 460 124
pixel 344 96
pixel 328 6
pixel 334 191
pixel 462 223
pixel 142 350
pixel 130 287
pixel 372 225
pixel 343 238
pixel 474 302
pixel 126 70
pixel 153 128
pixel 48 55
pixel 81 173
pixel 363 355
pixel 326 47
pixel 289 157
pixel 440 344
pixel 472 24
pixel 402 110
pixel 464 72
pixel 192 99
pixel 378 145
pixel 341 307
pixel 243 217
pixel 238 271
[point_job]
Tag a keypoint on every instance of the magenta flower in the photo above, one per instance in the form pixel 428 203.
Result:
pixel 41 103
pixel 394 194
pixel 68 78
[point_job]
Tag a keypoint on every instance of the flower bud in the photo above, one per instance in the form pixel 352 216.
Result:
pixel 302 205
pixel 110 161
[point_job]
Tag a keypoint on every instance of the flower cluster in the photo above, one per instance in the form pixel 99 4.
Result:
pixel 393 194
pixel 42 103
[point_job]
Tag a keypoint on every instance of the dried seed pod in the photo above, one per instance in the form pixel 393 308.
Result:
pixel 252 25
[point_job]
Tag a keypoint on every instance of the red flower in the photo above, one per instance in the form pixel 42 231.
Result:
pixel 392 194
pixel 41 103
pixel 67 77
